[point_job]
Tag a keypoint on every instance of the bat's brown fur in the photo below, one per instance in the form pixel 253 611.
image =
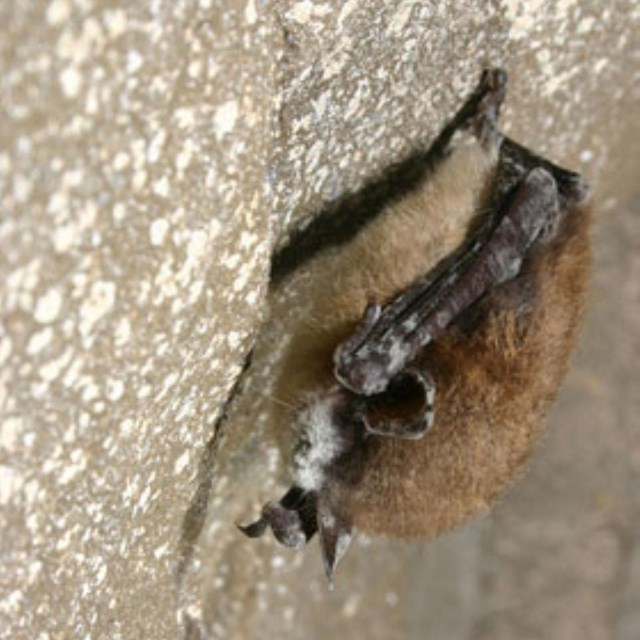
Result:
pixel 494 385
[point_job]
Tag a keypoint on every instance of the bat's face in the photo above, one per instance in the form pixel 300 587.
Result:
pixel 439 391
pixel 323 437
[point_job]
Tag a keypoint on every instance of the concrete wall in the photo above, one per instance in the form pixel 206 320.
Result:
pixel 151 158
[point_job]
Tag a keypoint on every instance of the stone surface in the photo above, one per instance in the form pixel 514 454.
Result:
pixel 150 159
pixel 135 244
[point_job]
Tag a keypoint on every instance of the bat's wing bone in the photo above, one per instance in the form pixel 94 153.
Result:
pixel 420 314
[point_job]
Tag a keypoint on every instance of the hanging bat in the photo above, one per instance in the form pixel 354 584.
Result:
pixel 424 387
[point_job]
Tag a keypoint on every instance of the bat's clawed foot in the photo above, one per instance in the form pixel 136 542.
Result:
pixel 286 525
pixel 293 519
pixel 405 409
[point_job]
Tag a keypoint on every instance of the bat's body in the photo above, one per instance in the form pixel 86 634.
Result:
pixel 416 416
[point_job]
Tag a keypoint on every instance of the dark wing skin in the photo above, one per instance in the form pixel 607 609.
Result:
pixel 390 338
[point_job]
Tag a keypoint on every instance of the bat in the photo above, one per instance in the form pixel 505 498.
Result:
pixel 423 389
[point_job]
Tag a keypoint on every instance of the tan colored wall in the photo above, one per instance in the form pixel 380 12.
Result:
pixel 150 159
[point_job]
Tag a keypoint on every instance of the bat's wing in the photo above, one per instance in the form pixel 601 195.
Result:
pixel 529 197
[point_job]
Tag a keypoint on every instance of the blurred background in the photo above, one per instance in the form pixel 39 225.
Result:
pixel 151 159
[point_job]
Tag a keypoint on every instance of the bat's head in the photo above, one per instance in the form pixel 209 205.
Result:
pixel 337 432
pixel 330 434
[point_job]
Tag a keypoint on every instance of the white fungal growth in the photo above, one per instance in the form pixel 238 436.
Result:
pixel 431 396
pixel 398 354
pixel 319 443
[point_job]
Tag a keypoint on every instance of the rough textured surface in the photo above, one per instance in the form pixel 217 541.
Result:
pixel 134 249
pixel 136 150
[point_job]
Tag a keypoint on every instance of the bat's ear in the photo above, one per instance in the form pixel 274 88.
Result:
pixel 335 534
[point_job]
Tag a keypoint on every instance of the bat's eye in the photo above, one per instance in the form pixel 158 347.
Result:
pixel 403 410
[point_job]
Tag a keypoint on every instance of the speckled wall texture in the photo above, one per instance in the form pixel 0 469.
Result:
pixel 152 155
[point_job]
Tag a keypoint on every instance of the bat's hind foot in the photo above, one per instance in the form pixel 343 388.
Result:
pixel 292 519
pixel 491 92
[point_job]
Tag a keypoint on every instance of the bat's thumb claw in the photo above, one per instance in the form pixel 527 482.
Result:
pixel 255 529
pixel 335 537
